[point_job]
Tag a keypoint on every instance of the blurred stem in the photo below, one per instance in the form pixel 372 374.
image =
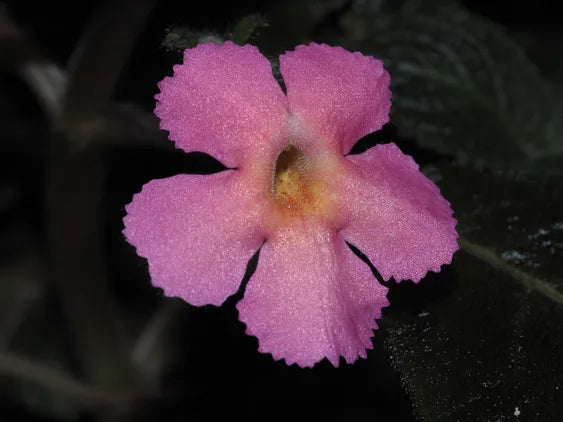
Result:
pixel 528 281
pixel 82 99
pixel 23 285
pixel 56 381
pixel 100 55
pixel 74 209
pixel 75 191
pixel 78 104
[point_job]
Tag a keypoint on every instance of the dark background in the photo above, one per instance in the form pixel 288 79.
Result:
pixel 84 335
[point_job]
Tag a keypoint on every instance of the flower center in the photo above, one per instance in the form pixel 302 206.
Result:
pixel 295 189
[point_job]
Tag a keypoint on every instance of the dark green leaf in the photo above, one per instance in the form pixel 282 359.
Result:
pixel 490 351
pixel 518 216
pixel 460 84
pixel 486 342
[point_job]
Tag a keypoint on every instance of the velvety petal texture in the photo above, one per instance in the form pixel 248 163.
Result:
pixel 342 95
pixel 291 191
pixel 197 233
pixel 311 297
pixel 223 100
pixel 397 216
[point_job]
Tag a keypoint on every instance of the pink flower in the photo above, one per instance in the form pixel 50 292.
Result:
pixel 292 191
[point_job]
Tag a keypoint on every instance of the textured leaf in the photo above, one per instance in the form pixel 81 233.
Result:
pixel 460 84
pixel 516 215
pixel 487 352
pixel 485 343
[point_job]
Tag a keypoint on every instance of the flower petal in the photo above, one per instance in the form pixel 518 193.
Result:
pixel 311 298
pixel 399 219
pixel 223 100
pixel 342 95
pixel 197 232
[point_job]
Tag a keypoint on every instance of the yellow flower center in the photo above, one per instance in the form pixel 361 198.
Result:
pixel 298 189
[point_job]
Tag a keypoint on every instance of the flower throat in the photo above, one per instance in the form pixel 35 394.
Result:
pixel 294 186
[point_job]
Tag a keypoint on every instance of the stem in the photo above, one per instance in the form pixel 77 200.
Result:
pixel 100 55
pixel 530 282
pixel 76 254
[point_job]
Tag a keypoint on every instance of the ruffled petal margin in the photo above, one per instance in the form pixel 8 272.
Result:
pixel 311 298
pixel 223 100
pixel 343 96
pixel 398 217
pixel 197 233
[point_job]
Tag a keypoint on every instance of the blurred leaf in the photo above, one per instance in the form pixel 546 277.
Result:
pixel 294 22
pixel 486 343
pixel 554 126
pixel 44 77
pixel 21 286
pixel 120 124
pixel 247 28
pixel 100 55
pixel 31 328
pixel 181 37
pixel 460 85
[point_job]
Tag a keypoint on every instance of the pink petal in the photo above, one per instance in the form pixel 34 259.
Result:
pixel 311 298
pixel 197 232
pixel 399 219
pixel 223 100
pixel 342 95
